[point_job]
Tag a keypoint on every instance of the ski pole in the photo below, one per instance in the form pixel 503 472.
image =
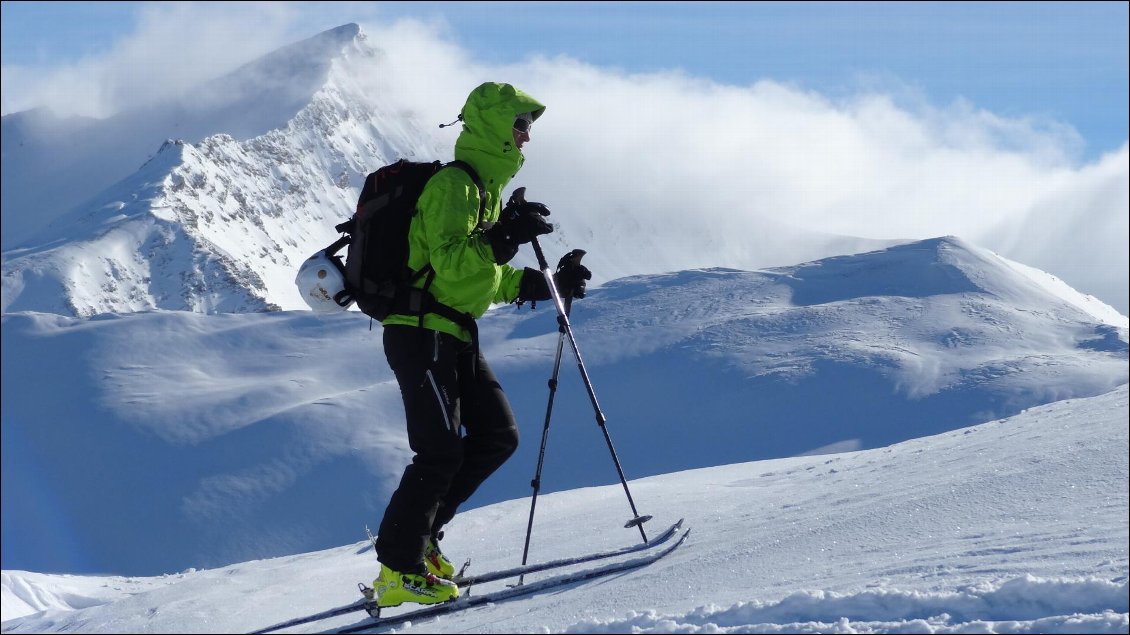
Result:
pixel 563 321
pixel 536 482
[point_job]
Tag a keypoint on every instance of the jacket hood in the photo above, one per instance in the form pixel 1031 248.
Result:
pixel 487 140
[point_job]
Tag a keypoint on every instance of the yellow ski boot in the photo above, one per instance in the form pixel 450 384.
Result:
pixel 438 564
pixel 393 588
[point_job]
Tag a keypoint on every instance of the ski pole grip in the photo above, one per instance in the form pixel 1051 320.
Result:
pixel 541 256
pixel 572 258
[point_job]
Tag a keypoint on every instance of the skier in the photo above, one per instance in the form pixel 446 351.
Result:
pixel 460 425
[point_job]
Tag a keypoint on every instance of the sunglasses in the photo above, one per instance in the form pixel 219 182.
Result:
pixel 522 125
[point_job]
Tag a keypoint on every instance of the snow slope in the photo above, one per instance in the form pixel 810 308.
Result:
pixel 1012 526
pixel 249 418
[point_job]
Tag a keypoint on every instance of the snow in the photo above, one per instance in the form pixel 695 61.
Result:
pixel 891 436
pixel 1015 525
pixel 917 438
pixel 247 416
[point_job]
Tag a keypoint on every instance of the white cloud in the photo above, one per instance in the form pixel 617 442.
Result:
pixel 695 157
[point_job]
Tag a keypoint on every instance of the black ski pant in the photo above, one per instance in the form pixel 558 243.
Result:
pixel 460 427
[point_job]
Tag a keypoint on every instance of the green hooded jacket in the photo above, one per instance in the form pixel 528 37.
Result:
pixel 445 230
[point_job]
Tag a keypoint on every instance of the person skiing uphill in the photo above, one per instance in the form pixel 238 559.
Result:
pixel 460 425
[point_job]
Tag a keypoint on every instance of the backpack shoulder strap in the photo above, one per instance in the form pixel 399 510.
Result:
pixel 466 167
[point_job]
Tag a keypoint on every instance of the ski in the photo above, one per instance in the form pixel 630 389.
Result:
pixel 468 581
pixel 464 581
pixel 470 601
pixel 359 605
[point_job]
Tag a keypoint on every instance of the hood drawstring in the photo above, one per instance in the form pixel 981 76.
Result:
pixel 457 120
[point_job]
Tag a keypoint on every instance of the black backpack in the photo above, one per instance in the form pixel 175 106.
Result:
pixel 376 269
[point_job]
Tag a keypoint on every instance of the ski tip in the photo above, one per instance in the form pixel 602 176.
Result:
pixel 682 539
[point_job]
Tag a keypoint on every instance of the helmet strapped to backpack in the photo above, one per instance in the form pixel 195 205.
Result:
pixel 321 281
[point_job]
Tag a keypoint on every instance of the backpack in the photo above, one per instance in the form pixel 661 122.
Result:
pixel 376 272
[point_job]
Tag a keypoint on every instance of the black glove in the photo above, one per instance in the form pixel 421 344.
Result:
pixel 518 224
pixel 532 287
pixel 570 279
pixel 571 275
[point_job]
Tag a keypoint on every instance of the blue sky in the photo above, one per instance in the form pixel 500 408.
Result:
pixel 1067 62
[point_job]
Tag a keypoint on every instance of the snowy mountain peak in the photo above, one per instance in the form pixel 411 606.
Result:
pixel 252 100
pixel 266 93
pixel 220 225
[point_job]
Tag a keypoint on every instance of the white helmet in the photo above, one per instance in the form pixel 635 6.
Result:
pixel 322 284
